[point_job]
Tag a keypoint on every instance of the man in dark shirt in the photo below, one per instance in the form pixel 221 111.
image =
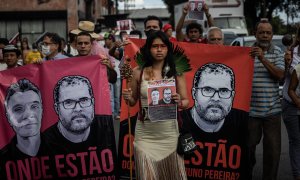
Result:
pixel 82 141
pixel 218 129
pixel 23 106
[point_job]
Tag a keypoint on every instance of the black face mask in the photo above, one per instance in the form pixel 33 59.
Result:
pixel 150 31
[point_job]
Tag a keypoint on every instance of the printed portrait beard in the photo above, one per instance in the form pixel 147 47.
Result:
pixel 263 43
pixel 78 128
pixel 213 118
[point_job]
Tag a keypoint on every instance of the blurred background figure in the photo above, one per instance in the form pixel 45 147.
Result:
pixel 3 43
pixel 24 47
pixel 33 56
pixel 168 29
pixel 70 48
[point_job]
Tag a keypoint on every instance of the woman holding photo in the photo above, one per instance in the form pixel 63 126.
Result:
pixel 155 142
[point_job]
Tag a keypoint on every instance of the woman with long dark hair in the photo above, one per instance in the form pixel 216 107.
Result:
pixel 156 141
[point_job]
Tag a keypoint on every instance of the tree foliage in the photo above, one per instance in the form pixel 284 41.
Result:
pixel 170 4
pixel 257 9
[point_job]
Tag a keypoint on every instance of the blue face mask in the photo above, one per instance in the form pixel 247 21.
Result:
pixel 46 50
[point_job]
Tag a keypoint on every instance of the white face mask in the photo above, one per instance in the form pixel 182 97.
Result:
pixel 46 50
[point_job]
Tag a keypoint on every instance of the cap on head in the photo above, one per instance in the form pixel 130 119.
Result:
pixel 167 27
pixel 86 26
pixel 11 48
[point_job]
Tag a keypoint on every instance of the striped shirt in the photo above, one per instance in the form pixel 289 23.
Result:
pixel 295 61
pixel 265 100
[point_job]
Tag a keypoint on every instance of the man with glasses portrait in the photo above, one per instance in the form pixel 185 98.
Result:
pixel 213 92
pixel 213 122
pixel 79 131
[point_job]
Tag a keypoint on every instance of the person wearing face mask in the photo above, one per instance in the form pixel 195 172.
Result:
pixel 152 24
pixel 33 56
pixel 51 47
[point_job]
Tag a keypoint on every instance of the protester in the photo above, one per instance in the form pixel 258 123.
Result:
pixel 152 24
pixel 193 30
pixel 25 47
pixel 116 51
pixel 3 43
pixel 265 107
pixel 71 46
pixel 155 142
pixel 215 36
pixel 168 29
pixel 291 103
pixel 33 56
pixel 51 47
pixel 84 47
pixel 11 56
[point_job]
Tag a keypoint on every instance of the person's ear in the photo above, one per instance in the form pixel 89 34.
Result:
pixel 194 93
pixel 232 94
pixel 56 108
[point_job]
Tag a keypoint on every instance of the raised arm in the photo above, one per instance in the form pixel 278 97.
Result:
pixel 210 20
pixel 179 34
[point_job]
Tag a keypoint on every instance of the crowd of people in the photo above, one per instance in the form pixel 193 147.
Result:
pixel 155 157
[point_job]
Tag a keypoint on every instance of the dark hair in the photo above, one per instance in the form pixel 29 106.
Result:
pixel 192 26
pixel 4 41
pixel 23 85
pixel 262 21
pixel 55 38
pixel 25 39
pixel 121 34
pixel 34 45
pixel 136 32
pixel 85 33
pixel 71 81
pixel 215 68
pixel 169 60
pixel 149 18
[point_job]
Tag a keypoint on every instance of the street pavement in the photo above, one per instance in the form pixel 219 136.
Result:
pixel 284 172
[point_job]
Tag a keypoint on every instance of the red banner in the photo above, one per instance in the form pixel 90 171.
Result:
pixel 56 121
pixel 213 159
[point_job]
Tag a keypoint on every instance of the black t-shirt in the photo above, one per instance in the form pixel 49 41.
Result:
pixel 95 157
pixel 220 154
pixel 14 164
